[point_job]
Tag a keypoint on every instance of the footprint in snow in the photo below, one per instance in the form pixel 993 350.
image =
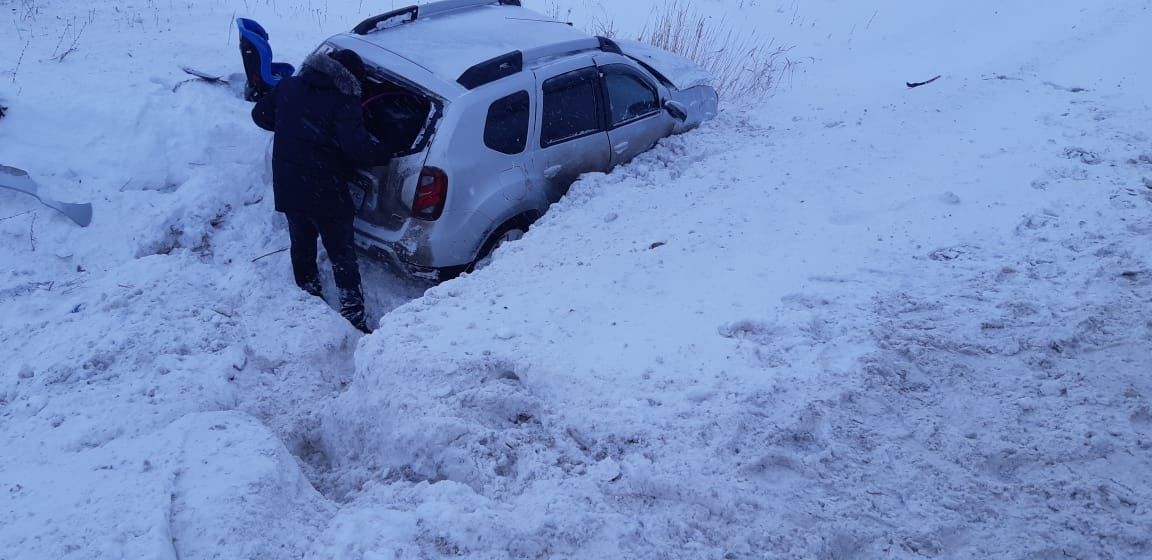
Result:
pixel 748 329
pixel 1087 157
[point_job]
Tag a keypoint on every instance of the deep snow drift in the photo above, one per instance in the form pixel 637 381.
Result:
pixel 853 321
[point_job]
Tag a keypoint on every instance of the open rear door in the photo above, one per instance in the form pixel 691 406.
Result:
pixel 403 118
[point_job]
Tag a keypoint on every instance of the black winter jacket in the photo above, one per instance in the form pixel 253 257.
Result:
pixel 320 138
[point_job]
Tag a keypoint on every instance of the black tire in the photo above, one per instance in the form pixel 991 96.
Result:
pixel 506 233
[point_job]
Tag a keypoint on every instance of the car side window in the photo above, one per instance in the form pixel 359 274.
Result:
pixel 506 129
pixel 570 107
pixel 630 96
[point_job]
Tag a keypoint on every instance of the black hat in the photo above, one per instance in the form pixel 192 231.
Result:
pixel 351 61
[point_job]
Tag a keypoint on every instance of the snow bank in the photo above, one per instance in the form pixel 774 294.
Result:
pixel 156 385
pixel 866 323
pixel 210 485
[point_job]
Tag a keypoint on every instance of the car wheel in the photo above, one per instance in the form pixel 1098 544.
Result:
pixel 507 234
pixel 510 231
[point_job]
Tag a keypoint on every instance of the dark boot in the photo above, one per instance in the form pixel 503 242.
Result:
pixel 313 287
pixel 352 308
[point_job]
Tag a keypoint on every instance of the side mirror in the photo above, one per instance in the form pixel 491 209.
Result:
pixel 676 109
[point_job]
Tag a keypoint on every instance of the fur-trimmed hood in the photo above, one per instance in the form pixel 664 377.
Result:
pixel 340 76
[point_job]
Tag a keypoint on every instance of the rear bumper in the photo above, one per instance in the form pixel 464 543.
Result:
pixel 385 254
pixel 421 248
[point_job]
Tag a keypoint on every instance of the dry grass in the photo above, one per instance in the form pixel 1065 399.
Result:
pixel 28 10
pixel 556 13
pixel 744 64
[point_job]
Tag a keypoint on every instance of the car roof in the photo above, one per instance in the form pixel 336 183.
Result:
pixel 448 44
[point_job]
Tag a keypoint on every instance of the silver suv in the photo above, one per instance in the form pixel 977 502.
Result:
pixel 493 111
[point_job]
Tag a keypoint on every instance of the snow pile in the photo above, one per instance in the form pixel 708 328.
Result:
pixel 878 322
pixel 155 382
pixel 861 321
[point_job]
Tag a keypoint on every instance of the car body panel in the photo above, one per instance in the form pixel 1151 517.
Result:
pixel 703 104
pixel 483 184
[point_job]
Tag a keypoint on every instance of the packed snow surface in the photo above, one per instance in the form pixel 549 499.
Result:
pixel 850 320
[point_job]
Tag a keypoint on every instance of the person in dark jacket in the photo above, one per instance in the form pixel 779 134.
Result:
pixel 320 142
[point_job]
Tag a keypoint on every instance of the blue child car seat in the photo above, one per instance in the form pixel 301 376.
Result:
pixel 261 72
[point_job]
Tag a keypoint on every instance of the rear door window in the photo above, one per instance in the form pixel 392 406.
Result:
pixel 571 107
pixel 506 129
pixel 630 95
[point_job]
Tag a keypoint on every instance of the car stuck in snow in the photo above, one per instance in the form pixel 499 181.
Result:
pixel 493 111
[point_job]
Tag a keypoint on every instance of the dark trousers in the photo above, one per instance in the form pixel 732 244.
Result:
pixel 336 234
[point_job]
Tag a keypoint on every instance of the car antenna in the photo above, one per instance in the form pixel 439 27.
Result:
pixel 568 23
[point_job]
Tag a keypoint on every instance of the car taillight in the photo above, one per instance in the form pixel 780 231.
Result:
pixel 431 193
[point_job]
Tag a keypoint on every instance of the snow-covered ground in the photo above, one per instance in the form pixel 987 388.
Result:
pixel 852 321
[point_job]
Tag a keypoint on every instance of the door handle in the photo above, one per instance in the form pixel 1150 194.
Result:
pixel 621 148
pixel 553 171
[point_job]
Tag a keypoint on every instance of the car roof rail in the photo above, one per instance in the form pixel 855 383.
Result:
pixel 513 63
pixel 416 12
pixel 492 69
